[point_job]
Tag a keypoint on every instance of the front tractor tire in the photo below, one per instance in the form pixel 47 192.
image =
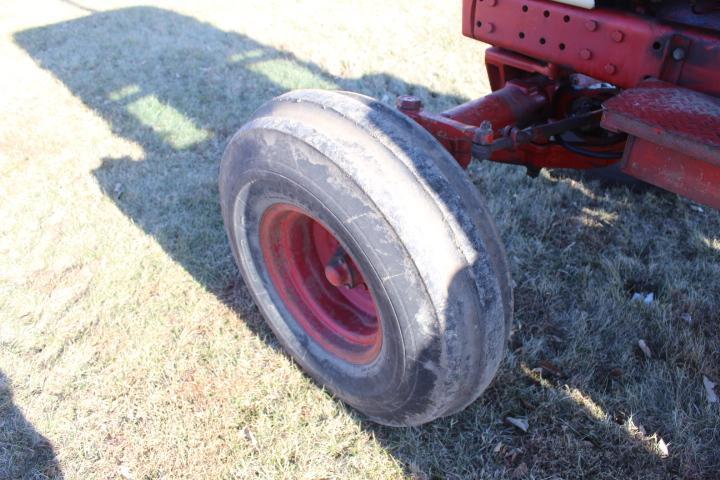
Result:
pixel 369 253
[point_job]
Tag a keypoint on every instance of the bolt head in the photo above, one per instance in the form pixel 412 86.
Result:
pixel 492 3
pixel 585 54
pixel 409 103
pixel 489 27
pixel 678 54
pixel 618 36
pixel 610 69
pixel 591 25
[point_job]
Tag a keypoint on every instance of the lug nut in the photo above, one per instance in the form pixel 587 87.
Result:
pixel 618 36
pixel 585 54
pixel 489 27
pixel 610 69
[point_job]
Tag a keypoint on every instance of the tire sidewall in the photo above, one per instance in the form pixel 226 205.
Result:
pixel 398 383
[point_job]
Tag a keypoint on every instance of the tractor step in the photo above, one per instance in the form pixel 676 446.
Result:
pixel 674 138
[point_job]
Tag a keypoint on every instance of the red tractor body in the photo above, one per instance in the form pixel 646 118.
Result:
pixel 634 85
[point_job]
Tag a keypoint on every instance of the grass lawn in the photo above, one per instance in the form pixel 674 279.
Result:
pixel 130 348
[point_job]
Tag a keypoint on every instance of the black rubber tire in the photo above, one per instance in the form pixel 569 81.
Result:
pixel 411 219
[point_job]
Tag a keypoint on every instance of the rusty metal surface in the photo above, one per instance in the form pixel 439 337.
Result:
pixel 671 116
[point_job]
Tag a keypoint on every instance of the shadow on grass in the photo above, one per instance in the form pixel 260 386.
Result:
pixel 180 88
pixel 24 453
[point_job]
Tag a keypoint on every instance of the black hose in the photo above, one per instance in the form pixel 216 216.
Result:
pixel 598 142
pixel 588 153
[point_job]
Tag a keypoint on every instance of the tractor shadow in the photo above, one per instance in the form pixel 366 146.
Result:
pixel 24 453
pixel 179 88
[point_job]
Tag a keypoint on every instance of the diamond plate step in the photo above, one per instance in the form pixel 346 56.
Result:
pixel 670 116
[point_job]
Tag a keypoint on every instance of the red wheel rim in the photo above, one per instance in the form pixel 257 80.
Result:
pixel 320 284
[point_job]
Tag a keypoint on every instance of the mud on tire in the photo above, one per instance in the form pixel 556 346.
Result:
pixel 413 225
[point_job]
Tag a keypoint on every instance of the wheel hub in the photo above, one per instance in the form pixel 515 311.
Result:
pixel 339 272
pixel 320 283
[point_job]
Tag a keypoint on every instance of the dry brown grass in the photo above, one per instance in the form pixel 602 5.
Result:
pixel 129 347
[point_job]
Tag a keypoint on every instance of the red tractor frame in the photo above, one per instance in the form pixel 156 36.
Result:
pixel 553 68
pixel 369 252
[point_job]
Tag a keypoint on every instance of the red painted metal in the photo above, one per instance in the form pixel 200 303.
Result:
pixel 503 66
pixel 552 63
pixel 456 137
pixel 299 251
pixel 538 156
pixel 671 116
pixel 520 101
pixel 340 271
pixel 524 100
pixel 614 46
pixel 674 171
pixel 677 138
